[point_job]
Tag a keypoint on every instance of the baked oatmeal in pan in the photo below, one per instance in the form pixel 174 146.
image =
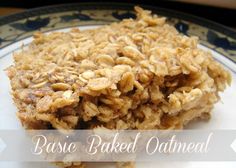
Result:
pixel 136 74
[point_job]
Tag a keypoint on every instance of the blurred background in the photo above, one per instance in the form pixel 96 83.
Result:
pixel 221 11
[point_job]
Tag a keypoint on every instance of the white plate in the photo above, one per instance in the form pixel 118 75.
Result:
pixel 223 114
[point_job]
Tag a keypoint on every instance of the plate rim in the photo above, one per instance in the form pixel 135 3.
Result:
pixel 4 20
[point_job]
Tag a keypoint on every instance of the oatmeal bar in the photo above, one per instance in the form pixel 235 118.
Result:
pixel 135 74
